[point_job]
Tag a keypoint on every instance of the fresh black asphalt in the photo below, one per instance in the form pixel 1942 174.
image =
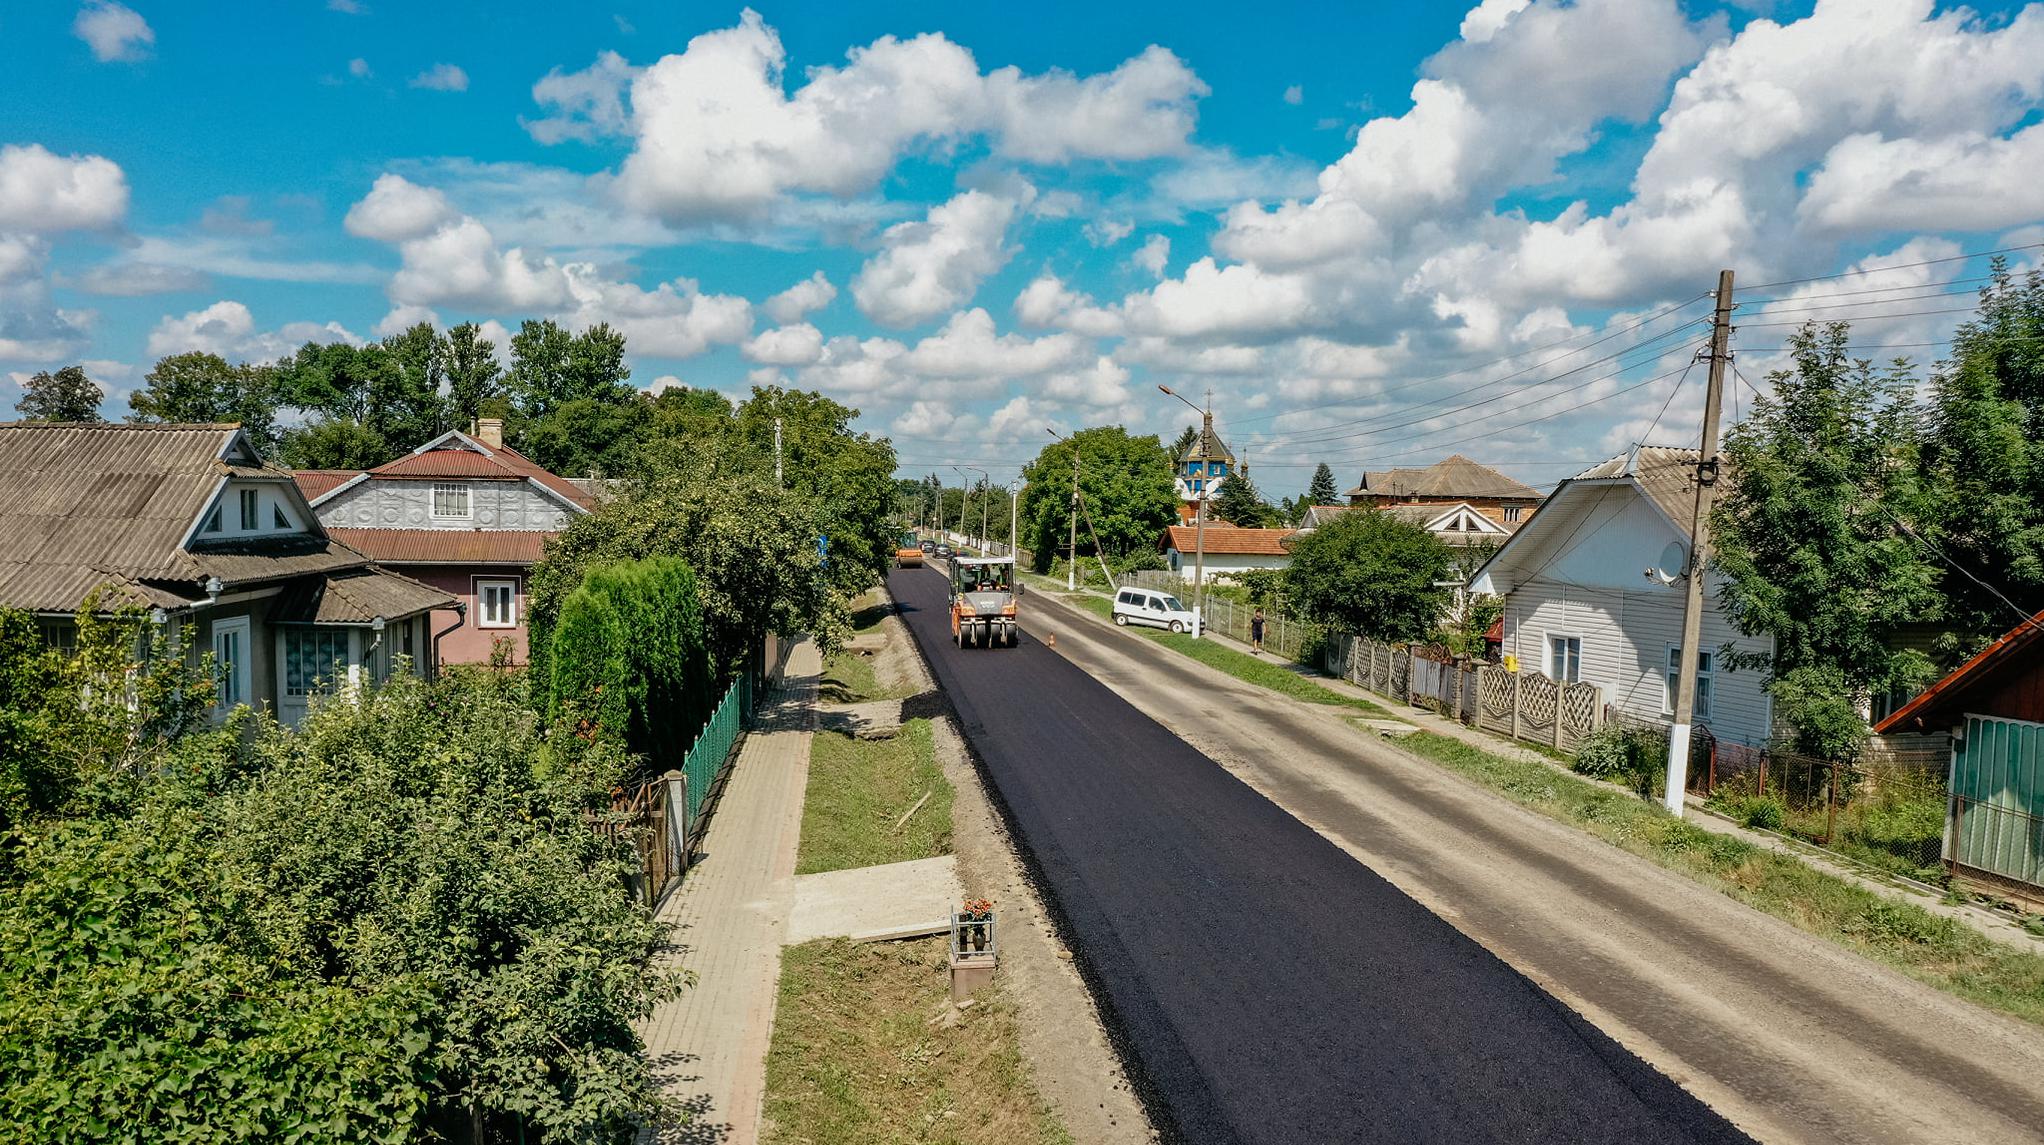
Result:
pixel 1264 985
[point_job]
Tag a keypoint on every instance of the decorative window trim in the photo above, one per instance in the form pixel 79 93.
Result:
pixel 452 488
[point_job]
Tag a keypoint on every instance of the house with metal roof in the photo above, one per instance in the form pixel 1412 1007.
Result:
pixel 1453 480
pixel 1228 550
pixel 464 513
pixel 1594 588
pixel 189 523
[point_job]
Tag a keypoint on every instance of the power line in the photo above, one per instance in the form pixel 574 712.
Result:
pixel 1867 290
pixel 1655 424
pixel 1852 318
pixel 1868 301
pixel 1897 266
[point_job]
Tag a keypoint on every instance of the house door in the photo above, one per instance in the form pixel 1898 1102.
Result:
pixel 230 662
pixel 311 661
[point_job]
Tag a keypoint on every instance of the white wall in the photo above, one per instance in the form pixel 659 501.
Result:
pixel 407 504
pixel 1222 564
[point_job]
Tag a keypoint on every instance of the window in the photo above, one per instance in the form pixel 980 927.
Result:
pixel 1565 659
pixel 1706 668
pixel 315 659
pixel 248 510
pixel 230 661
pixel 278 518
pixel 1511 513
pixel 450 500
pixel 213 520
pixel 1218 469
pixel 497 600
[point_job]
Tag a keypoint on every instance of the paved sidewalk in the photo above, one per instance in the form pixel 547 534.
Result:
pixel 730 917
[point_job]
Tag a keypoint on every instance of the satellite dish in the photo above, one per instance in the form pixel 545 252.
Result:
pixel 1675 558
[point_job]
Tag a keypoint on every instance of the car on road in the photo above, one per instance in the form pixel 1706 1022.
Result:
pixel 1148 606
pixel 929 547
pixel 944 551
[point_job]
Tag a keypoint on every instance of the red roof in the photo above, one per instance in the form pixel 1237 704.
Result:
pixel 1229 540
pixel 444 546
pixel 1943 698
pixel 501 463
pixel 315 483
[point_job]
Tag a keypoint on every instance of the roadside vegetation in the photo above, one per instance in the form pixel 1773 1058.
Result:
pixel 859 790
pixel 849 675
pixel 868 1047
pixel 1942 952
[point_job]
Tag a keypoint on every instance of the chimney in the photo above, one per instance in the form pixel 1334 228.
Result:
pixel 490 431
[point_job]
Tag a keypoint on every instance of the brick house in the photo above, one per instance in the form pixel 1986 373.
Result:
pixel 1446 483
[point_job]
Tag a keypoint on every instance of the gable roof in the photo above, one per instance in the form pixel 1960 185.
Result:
pixel 1453 476
pixel 445 546
pixel 1435 518
pixel 1207 446
pixel 1946 699
pixel 88 504
pixel 1229 540
pixel 453 456
pixel 316 483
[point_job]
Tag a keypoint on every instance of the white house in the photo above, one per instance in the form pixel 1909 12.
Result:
pixel 1594 585
pixel 1228 549
pixel 1456 522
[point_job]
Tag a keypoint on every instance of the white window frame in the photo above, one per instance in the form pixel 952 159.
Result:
pixel 1511 513
pixel 1554 671
pixel 1706 673
pixel 467 500
pixel 251 506
pixel 482 606
pixel 317 683
pixel 232 683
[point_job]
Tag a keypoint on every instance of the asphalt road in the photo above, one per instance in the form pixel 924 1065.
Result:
pixel 1267 986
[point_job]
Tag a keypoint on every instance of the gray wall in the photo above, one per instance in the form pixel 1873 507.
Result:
pixel 377 504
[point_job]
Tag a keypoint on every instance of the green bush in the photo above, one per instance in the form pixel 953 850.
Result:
pixel 629 661
pixel 1633 756
pixel 1762 811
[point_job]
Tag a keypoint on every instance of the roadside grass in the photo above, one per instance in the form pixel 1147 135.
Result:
pixel 867 1047
pixel 1271 674
pixel 859 788
pixel 1929 947
pixel 848 678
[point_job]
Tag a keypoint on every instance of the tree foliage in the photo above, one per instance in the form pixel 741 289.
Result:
pixel 1371 573
pixel 629 660
pixel 1322 490
pixel 67 395
pixel 1126 483
pixel 334 443
pixel 201 388
pixel 1813 542
pixel 848 475
pixel 1241 503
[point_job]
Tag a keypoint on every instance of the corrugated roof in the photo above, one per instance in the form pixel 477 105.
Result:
pixel 357 596
pixel 456 454
pixel 254 559
pixel 1667 476
pixel 315 482
pixel 445 546
pixel 1229 540
pixel 1455 476
pixel 1944 701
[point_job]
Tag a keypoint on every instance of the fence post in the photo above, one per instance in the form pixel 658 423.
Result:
pixel 1515 705
pixel 1831 803
pixel 676 785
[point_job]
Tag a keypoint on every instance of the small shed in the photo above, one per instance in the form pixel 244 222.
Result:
pixel 1993 706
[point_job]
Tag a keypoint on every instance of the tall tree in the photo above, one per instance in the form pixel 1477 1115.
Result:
pixel 1322 490
pixel 473 376
pixel 1983 459
pixel 334 443
pixel 67 395
pixel 1372 573
pixel 551 367
pixel 1813 539
pixel 200 387
pixel 1182 444
pixel 850 474
pixel 1240 503
pixel 1126 483
pixel 405 405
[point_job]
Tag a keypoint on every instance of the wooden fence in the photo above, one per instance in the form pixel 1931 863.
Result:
pixel 1523 705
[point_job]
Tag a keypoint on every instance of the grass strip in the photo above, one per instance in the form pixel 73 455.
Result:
pixel 867 1047
pixel 848 678
pixel 1928 947
pixel 1271 674
pixel 859 788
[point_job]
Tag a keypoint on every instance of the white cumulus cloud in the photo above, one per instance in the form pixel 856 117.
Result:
pixel 42 191
pixel 934 266
pixel 113 31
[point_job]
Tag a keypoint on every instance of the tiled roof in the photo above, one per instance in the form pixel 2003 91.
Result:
pixel 357 596
pixel 1455 476
pixel 456 455
pixel 445 546
pixel 1229 540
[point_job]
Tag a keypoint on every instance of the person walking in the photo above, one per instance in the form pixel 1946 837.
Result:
pixel 1256 631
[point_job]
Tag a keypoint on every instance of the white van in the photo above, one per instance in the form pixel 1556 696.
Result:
pixel 1147 606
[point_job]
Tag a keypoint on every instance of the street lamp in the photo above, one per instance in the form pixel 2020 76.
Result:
pixel 984 481
pixel 1199 516
pixel 1015 521
pixel 1072 552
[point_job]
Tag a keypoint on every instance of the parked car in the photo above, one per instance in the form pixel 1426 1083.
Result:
pixel 1147 606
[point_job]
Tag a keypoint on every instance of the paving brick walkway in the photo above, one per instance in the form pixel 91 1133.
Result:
pixel 730 917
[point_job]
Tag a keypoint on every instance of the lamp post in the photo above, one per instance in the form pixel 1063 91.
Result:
pixel 1199 515
pixel 1015 521
pixel 984 481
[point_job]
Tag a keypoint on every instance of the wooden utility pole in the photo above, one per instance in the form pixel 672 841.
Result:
pixel 1072 553
pixel 1699 550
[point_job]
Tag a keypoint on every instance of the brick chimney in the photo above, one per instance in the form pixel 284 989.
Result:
pixel 490 431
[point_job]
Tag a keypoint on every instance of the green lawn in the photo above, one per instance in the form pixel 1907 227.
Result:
pixel 863 1051
pixel 1265 672
pixel 1926 946
pixel 848 678
pixel 859 788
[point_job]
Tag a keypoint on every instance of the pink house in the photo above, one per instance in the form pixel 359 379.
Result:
pixel 467 515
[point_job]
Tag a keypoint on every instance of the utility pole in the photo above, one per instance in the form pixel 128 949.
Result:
pixel 1699 550
pixel 1199 508
pixel 1072 546
pixel 1015 521
pixel 777 452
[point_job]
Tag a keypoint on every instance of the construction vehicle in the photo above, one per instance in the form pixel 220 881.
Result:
pixel 984 592
pixel 909 555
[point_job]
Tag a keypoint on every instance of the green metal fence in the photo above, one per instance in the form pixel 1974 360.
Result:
pixel 705 761
pixel 1997 830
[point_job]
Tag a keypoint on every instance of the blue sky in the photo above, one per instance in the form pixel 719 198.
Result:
pixel 1317 211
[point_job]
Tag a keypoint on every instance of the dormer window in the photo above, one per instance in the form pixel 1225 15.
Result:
pixel 248 511
pixel 213 520
pixel 1511 513
pixel 450 500
pixel 278 519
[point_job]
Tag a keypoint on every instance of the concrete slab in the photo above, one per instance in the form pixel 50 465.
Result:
pixel 871 900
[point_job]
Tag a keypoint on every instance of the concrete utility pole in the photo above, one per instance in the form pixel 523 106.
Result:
pixel 1015 520
pixel 777 451
pixel 1699 550
pixel 1072 546
pixel 1199 511
pixel 985 494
